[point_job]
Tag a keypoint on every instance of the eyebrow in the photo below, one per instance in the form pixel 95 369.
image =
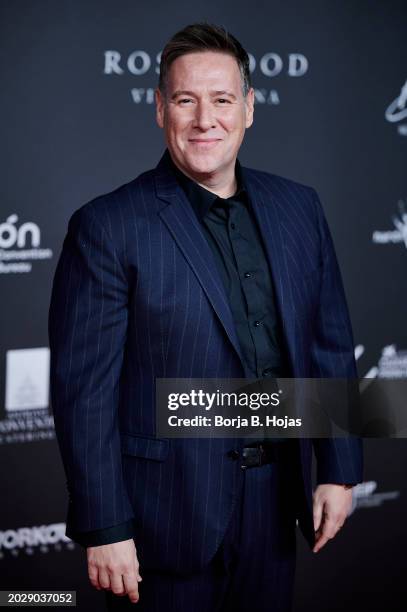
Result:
pixel 184 92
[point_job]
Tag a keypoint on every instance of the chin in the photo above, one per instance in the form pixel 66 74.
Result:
pixel 202 165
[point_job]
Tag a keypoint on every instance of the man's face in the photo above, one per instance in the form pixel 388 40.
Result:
pixel 204 114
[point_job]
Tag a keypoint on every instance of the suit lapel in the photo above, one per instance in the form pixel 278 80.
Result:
pixel 181 221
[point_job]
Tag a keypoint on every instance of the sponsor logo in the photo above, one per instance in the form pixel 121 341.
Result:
pixel 19 246
pixel 28 540
pixel 396 112
pixel 391 364
pixel 27 397
pixel 140 63
pixel 397 235
pixel 364 496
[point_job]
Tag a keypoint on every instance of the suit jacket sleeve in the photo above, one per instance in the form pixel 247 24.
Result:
pixel 108 535
pixel 339 460
pixel 87 333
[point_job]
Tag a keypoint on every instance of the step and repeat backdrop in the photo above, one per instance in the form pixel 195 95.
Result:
pixel 78 116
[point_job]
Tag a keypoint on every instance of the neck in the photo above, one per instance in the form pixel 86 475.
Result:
pixel 224 189
pixel 223 186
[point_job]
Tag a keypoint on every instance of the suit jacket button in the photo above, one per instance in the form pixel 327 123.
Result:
pixel 233 454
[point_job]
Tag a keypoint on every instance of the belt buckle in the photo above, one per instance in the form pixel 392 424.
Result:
pixel 254 461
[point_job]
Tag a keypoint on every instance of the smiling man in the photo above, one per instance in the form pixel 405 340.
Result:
pixel 198 268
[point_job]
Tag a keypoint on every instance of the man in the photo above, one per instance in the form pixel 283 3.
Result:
pixel 198 268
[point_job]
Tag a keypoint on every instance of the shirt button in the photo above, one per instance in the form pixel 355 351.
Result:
pixel 256 323
pixel 247 275
pixel 232 225
pixel 267 372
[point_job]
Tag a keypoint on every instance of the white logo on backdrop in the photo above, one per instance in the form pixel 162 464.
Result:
pixel 19 246
pixel 28 540
pixel 27 397
pixel 139 63
pixel 396 112
pixel 399 234
pixel 364 496
pixel 392 362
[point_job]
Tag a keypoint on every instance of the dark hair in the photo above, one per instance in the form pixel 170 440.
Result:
pixel 199 37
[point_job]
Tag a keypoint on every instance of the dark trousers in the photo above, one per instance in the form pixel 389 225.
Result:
pixel 253 570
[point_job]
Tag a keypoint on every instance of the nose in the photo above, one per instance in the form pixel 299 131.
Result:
pixel 204 118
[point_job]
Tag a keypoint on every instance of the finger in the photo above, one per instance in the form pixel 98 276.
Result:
pixel 117 584
pixel 137 567
pixel 317 513
pixel 337 523
pixel 321 541
pixel 104 579
pixel 93 574
pixel 327 532
pixel 338 528
pixel 131 586
pixel 318 535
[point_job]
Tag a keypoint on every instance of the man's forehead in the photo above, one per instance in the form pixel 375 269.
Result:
pixel 213 62
pixel 216 71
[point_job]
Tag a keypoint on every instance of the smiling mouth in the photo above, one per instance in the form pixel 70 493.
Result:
pixel 204 142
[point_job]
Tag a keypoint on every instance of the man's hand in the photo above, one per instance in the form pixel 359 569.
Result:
pixel 115 567
pixel 331 505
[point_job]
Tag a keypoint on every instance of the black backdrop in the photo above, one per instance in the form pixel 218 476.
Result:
pixel 78 120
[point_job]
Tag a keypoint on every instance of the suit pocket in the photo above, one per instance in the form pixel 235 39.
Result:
pixel 145 447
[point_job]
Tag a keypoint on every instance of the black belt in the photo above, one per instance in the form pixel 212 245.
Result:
pixel 261 454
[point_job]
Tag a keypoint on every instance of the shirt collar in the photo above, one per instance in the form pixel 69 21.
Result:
pixel 202 199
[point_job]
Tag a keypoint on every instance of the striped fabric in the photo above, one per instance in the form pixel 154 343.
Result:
pixel 136 296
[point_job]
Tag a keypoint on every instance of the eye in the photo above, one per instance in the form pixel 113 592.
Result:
pixel 223 100
pixel 184 100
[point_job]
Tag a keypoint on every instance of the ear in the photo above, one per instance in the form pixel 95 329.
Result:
pixel 249 105
pixel 159 101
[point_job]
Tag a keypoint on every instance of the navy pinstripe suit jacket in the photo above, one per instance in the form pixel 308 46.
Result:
pixel 136 296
